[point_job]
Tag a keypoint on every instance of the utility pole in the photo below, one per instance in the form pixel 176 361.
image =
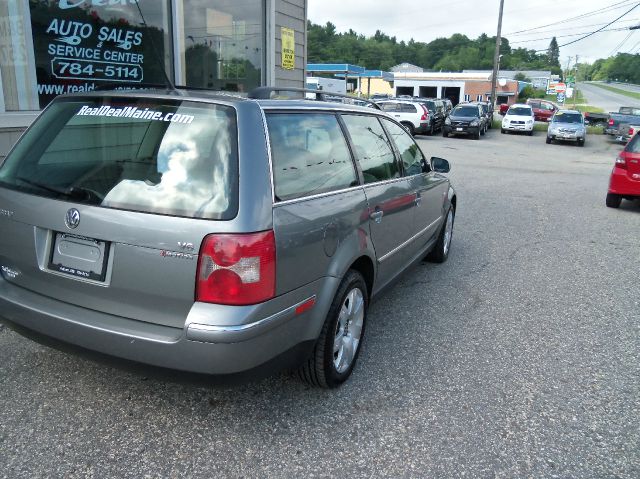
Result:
pixel 575 83
pixel 496 57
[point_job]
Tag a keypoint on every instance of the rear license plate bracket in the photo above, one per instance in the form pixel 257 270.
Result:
pixel 79 256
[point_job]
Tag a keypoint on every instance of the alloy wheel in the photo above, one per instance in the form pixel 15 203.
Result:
pixel 348 330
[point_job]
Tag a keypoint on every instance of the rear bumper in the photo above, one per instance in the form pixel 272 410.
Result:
pixel 462 130
pixel 423 128
pixel 621 184
pixel 574 138
pixel 512 127
pixel 207 344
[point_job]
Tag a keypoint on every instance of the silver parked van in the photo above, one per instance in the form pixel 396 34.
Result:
pixel 211 233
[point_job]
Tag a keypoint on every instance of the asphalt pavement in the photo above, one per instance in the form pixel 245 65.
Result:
pixel 519 357
pixel 608 100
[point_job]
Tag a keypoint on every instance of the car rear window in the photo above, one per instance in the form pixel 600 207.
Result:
pixel 519 111
pixel 628 110
pixel 466 111
pixel 634 145
pixel 156 156
pixel 561 117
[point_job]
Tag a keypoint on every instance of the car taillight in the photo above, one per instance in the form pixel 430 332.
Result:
pixel 425 114
pixel 610 121
pixel 631 131
pixel 621 162
pixel 237 269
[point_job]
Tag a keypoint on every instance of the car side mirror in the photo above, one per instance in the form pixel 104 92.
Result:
pixel 440 165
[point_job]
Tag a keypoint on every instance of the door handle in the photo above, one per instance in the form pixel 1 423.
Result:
pixel 418 199
pixel 376 216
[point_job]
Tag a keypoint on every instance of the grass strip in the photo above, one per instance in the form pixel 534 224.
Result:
pixel 620 91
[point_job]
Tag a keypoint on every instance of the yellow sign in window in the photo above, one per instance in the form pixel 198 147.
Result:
pixel 288 48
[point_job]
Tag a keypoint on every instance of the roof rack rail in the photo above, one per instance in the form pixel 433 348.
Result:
pixel 265 93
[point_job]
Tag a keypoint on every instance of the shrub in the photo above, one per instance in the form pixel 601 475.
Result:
pixel 530 92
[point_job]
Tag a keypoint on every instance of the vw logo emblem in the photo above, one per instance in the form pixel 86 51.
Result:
pixel 72 219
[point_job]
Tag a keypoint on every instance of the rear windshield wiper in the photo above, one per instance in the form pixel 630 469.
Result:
pixel 49 188
pixel 73 192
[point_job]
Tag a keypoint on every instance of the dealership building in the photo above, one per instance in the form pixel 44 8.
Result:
pixel 52 47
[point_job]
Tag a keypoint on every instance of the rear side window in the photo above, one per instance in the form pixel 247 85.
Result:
pixel 408 108
pixel 155 156
pixel 372 148
pixel 310 155
pixel 390 106
pixel 410 154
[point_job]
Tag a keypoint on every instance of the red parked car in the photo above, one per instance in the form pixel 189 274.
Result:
pixel 625 176
pixel 542 110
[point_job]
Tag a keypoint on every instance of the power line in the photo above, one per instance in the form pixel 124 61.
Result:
pixel 633 47
pixel 615 6
pixel 613 52
pixel 573 27
pixel 599 29
pixel 567 35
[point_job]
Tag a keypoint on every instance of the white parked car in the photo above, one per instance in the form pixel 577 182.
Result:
pixel 519 117
pixel 411 114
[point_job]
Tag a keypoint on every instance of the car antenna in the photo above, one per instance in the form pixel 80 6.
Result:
pixel 168 81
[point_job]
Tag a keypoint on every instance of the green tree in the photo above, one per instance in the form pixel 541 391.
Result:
pixel 553 53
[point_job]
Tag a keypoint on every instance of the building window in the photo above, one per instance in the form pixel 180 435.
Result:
pixel 479 97
pixel 222 43
pixel 17 82
pixel 467 98
pixel 81 45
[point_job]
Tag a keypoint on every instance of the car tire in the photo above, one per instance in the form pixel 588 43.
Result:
pixel 613 200
pixel 409 127
pixel 440 251
pixel 502 130
pixel 548 141
pixel 444 133
pixel 328 367
pixel 477 135
pixel 580 142
pixel 530 133
pixel 432 130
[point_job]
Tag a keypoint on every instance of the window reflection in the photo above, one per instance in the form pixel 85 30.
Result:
pixel 223 44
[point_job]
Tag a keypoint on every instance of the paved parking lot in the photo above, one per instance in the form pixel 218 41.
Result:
pixel 519 357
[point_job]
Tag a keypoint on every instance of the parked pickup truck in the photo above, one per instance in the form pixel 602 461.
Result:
pixel 626 131
pixel 596 118
pixel 626 115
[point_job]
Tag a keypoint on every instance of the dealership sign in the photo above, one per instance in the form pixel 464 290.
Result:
pixel 80 45
pixel 556 87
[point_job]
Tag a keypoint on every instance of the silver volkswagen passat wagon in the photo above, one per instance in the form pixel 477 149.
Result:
pixel 213 234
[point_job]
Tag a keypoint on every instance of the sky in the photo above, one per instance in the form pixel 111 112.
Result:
pixel 427 19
